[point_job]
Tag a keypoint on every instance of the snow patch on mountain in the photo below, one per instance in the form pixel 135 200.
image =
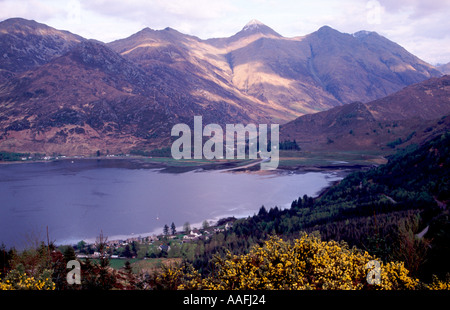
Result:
pixel 253 24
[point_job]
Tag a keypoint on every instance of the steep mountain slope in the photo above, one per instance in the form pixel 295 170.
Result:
pixel 363 65
pixel 194 67
pixel 70 104
pixel 26 44
pixel 408 116
pixel 94 99
pixel 274 70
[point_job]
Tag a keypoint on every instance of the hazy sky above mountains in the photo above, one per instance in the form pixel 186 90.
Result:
pixel 422 27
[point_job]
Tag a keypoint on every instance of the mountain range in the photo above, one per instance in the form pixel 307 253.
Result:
pixel 62 93
pixel 412 115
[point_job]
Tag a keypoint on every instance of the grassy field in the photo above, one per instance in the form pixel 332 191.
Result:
pixel 141 265
pixel 291 159
pixel 288 159
pixel 151 264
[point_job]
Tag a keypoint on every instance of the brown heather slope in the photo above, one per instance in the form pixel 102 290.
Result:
pixel 26 44
pixel 94 99
pixel 413 114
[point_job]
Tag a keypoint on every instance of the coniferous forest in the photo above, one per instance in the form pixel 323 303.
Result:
pixel 385 211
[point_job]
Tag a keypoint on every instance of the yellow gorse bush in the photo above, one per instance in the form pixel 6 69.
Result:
pixel 438 284
pixel 181 277
pixel 305 263
pixel 17 280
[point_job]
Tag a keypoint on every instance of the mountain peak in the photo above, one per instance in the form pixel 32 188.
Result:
pixel 326 30
pixel 253 24
pixel 26 44
pixel 21 22
pixel 22 26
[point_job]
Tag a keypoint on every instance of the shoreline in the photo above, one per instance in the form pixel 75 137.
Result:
pixel 212 221
pixel 170 165
pixel 140 163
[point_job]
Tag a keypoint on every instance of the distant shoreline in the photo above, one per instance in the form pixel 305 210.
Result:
pixel 167 164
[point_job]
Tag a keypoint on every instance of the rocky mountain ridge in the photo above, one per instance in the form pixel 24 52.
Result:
pixel 61 93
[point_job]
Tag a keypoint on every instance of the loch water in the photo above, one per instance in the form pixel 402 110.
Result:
pixel 77 200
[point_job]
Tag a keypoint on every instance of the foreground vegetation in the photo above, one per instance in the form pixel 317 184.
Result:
pixel 304 263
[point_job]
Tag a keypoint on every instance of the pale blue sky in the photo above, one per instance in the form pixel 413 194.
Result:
pixel 422 27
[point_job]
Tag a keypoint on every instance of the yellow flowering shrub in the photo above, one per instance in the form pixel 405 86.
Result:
pixel 18 280
pixel 176 276
pixel 170 277
pixel 394 276
pixel 306 263
pixel 439 284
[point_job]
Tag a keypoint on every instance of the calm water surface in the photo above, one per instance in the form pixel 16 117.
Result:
pixel 76 201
